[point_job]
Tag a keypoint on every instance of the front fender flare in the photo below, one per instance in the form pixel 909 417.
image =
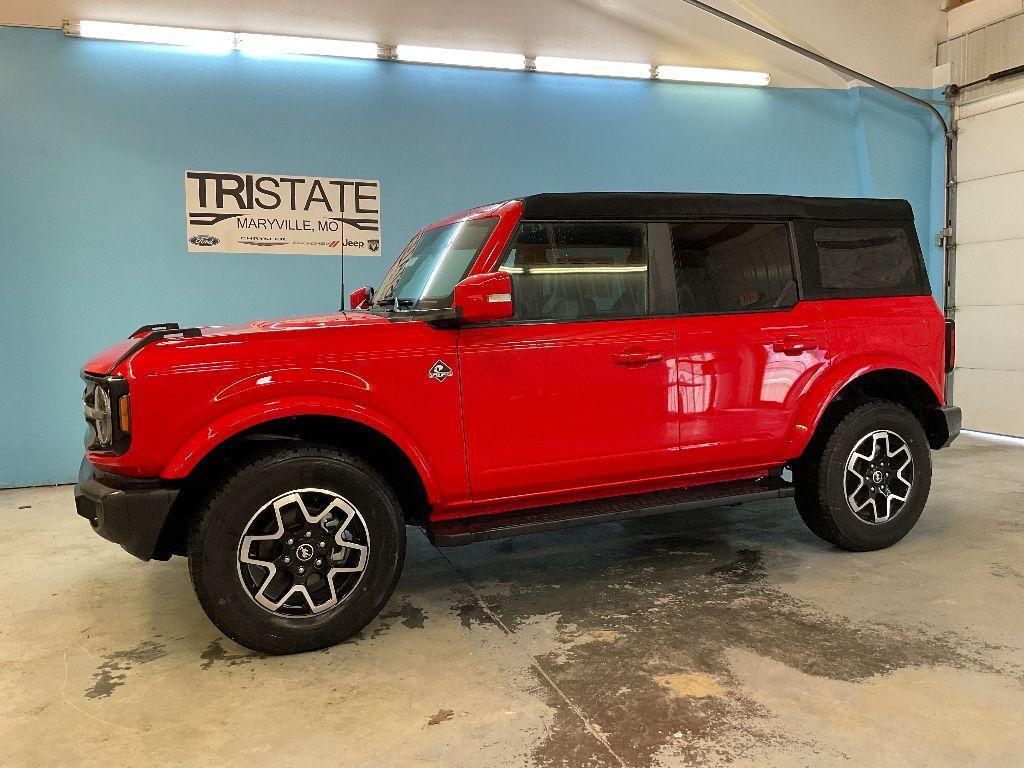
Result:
pixel 197 447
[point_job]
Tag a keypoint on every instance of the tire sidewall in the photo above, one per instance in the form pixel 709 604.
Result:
pixel 901 422
pixel 230 510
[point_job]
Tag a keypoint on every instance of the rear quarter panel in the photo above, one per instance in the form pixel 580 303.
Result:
pixel 864 335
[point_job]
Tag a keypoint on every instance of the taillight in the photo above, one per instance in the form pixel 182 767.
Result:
pixel 950 345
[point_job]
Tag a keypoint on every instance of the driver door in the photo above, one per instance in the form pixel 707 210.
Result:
pixel 578 389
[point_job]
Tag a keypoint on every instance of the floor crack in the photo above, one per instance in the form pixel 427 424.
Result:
pixel 590 725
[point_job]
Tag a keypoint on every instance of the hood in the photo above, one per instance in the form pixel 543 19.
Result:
pixel 107 360
pixel 336 320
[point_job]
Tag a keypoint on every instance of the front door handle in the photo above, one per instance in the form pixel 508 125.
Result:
pixel 794 345
pixel 636 357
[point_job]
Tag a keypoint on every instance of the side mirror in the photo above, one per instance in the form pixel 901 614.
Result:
pixel 484 297
pixel 361 298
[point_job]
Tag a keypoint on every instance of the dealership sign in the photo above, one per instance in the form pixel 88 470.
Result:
pixel 264 213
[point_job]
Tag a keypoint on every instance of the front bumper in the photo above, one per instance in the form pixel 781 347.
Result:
pixel 943 425
pixel 124 510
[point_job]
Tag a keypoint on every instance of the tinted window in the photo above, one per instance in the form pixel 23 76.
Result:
pixel 578 271
pixel 865 261
pixel 732 266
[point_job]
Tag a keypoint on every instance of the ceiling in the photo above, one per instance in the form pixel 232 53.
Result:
pixel 892 40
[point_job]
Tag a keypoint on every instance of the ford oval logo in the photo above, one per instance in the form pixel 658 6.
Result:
pixel 204 240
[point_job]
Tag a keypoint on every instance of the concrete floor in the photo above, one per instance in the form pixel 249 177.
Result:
pixel 730 637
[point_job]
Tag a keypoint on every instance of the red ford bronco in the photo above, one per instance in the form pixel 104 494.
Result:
pixel 540 363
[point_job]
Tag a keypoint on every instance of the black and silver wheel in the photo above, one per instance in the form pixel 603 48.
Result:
pixel 304 552
pixel 863 484
pixel 879 476
pixel 297 549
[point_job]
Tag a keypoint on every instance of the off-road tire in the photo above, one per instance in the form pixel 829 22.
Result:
pixel 215 536
pixel 821 497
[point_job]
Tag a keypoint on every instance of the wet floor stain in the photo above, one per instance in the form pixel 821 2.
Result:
pixel 215 653
pixel 113 672
pixel 691 685
pixel 645 624
pixel 412 617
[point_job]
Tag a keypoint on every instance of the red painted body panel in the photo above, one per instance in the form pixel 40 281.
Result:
pixel 738 393
pixel 532 413
pixel 547 406
pixel 865 335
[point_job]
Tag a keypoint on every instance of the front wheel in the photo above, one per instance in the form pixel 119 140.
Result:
pixel 297 549
pixel 864 485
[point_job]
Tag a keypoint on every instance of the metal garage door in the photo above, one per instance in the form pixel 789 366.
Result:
pixel 989 379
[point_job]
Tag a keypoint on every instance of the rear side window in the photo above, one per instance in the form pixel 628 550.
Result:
pixel 865 261
pixel 724 266
pixel 578 271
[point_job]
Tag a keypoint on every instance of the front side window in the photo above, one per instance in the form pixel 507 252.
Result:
pixel 578 271
pixel 425 273
pixel 724 266
pixel 865 261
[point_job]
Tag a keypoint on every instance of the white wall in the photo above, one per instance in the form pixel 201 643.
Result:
pixel 989 378
pixel 978 13
pixel 893 40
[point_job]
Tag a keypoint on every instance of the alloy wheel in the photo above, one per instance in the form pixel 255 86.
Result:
pixel 303 553
pixel 879 476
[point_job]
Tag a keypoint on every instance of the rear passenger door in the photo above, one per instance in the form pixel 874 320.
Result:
pixel 578 389
pixel 746 344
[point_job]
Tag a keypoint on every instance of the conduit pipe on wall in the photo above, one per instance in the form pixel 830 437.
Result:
pixel 946 234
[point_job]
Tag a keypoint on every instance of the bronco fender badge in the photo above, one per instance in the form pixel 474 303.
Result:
pixel 440 371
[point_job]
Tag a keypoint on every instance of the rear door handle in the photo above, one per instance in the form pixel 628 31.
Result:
pixel 794 345
pixel 636 357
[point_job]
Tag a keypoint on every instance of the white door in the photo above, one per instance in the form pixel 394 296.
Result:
pixel 988 383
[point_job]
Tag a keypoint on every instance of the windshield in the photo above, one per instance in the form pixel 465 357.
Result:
pixel 425 273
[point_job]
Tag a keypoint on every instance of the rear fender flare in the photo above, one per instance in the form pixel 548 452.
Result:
pixel 824 391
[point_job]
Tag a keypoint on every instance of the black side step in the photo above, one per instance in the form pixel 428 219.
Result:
pixel 453 533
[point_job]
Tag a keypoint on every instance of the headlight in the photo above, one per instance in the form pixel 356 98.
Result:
pixel 107 412
pixel 100 416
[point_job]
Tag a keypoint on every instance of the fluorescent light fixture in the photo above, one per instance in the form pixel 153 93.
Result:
pixel 459 58
pixel 204 39
pixel 220 41
pixel 592 67
pixel 269 45
pixel 717 76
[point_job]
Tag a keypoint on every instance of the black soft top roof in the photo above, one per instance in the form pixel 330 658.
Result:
pixel 669 205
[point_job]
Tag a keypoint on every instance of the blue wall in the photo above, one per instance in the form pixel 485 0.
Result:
pixel 95 138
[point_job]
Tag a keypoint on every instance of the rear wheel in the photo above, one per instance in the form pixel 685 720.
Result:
pixel 297 549
pixel 863 485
